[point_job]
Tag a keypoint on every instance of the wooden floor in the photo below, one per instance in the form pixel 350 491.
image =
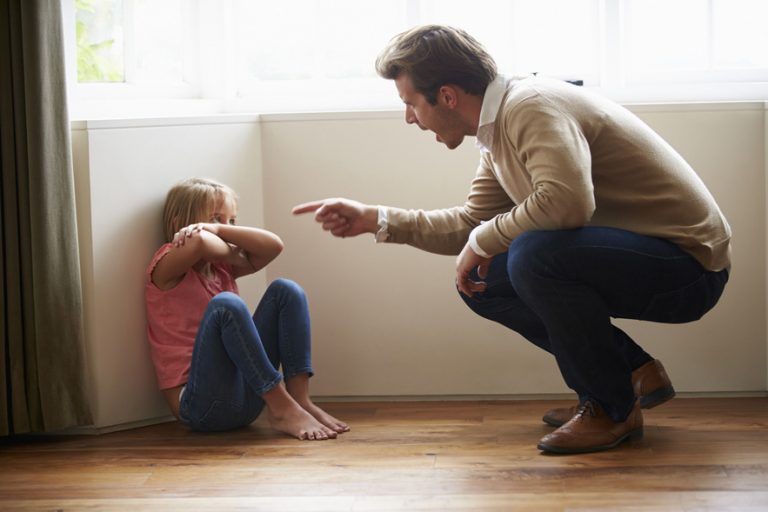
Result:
pixel 697 454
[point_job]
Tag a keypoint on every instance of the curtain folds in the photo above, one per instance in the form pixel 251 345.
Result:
pixel 42 358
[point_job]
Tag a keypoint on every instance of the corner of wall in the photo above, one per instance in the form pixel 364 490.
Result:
pixel 82 179
pixel 765 175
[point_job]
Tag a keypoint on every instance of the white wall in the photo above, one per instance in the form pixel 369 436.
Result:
pixel 724 351
pixel 123 171
pixel 386 318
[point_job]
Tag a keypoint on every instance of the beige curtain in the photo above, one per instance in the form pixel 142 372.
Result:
pixel 42 360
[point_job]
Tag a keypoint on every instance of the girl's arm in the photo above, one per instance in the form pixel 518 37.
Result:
pixel 253 248
pixel 245 249
pixel 192 246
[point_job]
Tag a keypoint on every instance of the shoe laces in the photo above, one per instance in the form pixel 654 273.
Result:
pixel 586 408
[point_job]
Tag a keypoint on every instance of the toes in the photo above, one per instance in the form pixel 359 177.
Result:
pixel 320 434
pixel 340 427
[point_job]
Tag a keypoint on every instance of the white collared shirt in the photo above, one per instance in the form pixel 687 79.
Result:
pixel 494 94
pixel 488 112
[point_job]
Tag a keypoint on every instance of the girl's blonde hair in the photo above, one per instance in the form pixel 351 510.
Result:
pixel 191 200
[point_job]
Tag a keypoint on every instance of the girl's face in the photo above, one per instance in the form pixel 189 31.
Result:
pixel 225 211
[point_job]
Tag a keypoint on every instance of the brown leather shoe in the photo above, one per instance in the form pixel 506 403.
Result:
pixel 591 430
pixel 652 384
pixel 652 388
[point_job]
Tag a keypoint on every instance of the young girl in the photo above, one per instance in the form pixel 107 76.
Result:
pixel 216 365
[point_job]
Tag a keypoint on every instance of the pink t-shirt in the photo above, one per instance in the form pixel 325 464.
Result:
pixel 174 315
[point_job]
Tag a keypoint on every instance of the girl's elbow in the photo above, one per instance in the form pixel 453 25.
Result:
pixel 273 250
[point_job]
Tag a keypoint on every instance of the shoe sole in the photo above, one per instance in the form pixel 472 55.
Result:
pixel 657 397
pixel 633 435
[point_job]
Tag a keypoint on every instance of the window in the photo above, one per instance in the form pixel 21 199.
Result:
pixel 249 55
pixel 718 40
pixel 135 48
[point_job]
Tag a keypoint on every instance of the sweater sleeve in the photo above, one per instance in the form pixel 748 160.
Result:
pixel 446 231
pixel 551 156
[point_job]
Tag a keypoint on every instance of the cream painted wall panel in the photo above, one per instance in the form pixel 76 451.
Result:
pixel 121 188
pixel 387 320
pixel 725 350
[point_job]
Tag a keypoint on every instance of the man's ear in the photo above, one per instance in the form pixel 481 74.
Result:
pixel 448 96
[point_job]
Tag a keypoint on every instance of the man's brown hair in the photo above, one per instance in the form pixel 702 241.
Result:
pixel 436 55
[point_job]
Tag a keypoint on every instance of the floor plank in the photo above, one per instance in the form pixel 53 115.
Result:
pixel 697 454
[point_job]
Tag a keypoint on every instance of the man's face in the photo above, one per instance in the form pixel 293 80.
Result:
pixel 439 118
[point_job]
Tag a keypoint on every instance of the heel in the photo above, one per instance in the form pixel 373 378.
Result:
pixel 657 397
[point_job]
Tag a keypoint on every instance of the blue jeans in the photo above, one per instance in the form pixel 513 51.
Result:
pixel 236 357
pixel 560 289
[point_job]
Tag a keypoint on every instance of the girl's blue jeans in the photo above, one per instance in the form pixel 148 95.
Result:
pixel 236 357
pixel 560 289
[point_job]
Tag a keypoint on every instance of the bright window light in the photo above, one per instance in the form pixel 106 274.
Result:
pixel 740 37
pixel 305 55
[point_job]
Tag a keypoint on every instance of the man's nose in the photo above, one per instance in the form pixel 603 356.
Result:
pixel 410 118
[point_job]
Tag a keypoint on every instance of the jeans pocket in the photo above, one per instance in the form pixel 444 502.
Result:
pixel 685 304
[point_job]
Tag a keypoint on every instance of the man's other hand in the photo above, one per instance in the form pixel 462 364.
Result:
pixel 465 262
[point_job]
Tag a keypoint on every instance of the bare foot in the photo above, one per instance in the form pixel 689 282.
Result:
pixel 299 423
pixel 323 417
pixel 298 387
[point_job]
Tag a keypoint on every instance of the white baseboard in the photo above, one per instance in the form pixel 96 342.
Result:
pixel 92 430
pixel 534 396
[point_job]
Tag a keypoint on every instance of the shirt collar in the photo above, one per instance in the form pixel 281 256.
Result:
pixel 494 94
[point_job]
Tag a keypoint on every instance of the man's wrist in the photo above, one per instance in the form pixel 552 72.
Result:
pixel 380 228
pixel 475 246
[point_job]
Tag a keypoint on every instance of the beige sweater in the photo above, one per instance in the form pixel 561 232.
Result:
pixel 563 157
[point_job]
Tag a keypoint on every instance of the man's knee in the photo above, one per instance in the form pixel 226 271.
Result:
pixel 530 245
pixel 473 302
pixel 529 251
pixel 488 307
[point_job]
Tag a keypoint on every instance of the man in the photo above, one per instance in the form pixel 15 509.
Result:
pixel 578 213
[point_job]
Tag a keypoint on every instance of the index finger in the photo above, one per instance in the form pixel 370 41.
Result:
pixel 307 207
